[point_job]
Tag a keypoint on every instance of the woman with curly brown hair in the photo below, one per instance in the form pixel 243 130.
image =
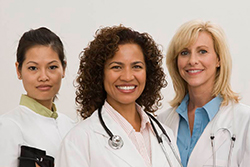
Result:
pixel 119 82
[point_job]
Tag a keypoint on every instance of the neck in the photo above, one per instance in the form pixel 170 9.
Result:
pixel 129 112
pixel 199 98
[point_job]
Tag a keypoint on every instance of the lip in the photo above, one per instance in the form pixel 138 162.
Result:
pixel 44 87
pixel 126 88
pixel 194 71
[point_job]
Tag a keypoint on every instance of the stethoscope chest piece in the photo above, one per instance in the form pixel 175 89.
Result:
pixel 115 142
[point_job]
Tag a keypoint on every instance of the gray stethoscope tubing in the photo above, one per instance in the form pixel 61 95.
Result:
pixel 116 141
pixel 233 139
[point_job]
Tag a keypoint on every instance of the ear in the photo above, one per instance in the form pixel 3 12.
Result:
pixel 19 76
pixel 64 68
pixel 218 64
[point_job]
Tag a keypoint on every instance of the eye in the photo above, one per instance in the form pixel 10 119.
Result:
pixel 183 53
pixel 32 68
pixel 53 67
pixel 137 67
pixel 203 51
pixel 115 67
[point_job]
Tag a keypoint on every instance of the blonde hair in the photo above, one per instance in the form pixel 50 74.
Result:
pixel 185 36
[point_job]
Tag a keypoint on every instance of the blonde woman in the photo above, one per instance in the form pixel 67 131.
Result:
pixel 211 126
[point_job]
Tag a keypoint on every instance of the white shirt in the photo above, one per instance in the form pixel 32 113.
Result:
pixel 23 126
pixel 140 139
pixel 86 145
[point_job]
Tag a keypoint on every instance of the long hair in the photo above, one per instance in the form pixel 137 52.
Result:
pixel 185 36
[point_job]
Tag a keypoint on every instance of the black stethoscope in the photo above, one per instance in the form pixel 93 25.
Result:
pixel 116 142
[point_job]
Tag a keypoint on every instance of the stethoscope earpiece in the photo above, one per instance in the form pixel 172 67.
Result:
pixel 116 142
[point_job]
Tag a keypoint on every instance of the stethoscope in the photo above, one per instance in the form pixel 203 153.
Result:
pixel 116 142
pixel 232 136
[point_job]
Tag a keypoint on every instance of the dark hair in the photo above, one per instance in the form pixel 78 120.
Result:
pixel 40 36
pixel 90 93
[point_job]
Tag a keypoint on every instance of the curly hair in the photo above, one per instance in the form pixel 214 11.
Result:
pixel 90 93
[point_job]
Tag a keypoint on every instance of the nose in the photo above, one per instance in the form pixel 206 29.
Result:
pixel 127 75
pixel 43 76
pixel 193 59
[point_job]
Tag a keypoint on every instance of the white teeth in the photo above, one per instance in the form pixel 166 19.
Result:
pixel 126 87
pixel 194 71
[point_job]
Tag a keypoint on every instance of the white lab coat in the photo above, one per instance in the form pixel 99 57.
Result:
pixel 237 122
pixel 86 145
pixel 23 126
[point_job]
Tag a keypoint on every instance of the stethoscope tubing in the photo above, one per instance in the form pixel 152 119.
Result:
pixel 233 139
pixel 159 139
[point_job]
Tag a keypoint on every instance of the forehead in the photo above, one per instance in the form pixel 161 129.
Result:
pixel 197 37
pixel 204 38
pixel 41 53
pixel 128 52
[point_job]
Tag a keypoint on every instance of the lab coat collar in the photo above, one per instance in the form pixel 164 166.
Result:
pixel 129 152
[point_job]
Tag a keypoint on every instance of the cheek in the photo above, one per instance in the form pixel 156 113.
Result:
pixel 108 79
pixel 180 65
pixel 142 77
pixel 180 62
pixel 28 79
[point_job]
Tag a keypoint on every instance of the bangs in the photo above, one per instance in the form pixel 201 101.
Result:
pixel 185 40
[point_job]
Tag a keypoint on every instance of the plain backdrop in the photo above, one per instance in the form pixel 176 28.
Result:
pixel 76 22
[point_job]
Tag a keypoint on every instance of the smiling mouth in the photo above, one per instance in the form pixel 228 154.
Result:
pixel 194 71
pixel 126 87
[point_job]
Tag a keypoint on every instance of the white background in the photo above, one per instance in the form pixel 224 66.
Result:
pixel 76 22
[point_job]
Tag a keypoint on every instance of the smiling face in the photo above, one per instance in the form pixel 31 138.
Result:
pixel 41 74
pixel 198 63
pixel 125 75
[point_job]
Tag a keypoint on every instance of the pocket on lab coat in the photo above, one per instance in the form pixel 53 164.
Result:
pixel 219 163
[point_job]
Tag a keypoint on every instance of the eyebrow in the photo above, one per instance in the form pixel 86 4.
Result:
pixel 186 48
pixel 53 61
pixel 120 63
pixel 203 46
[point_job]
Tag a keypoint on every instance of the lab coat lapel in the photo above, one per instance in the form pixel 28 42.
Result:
pixel 128 153
pixel 158 157
pixel 203 149
pixel 172 121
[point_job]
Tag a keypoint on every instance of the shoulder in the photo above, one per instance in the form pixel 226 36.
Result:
pixel 64 118
pixel 243 107
pixel 165 115
pixel 240 109
pixel 12 118
pixel 82 129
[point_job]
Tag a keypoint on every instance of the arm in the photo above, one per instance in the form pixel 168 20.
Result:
pixel 246 156
pixel 10 140
pixel 74 151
